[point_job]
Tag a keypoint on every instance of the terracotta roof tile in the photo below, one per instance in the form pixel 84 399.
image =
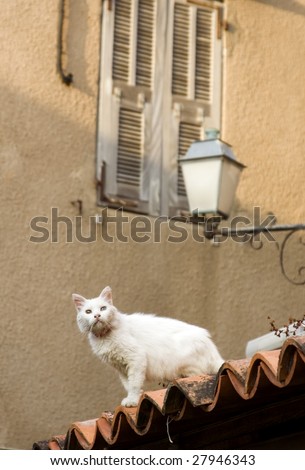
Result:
pixel 271 383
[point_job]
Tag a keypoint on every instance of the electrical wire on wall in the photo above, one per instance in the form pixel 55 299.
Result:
pixel 66 78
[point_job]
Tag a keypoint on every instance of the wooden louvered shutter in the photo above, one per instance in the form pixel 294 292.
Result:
pixel 204 56
pixel 145 43
pixel 188 133
pixel 160 87
pixel 122 41
pixel 192 52
pixel 181 50
pixel 195 86
pixel 130 152
pixel 128 47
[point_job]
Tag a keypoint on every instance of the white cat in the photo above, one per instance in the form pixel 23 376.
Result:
pixel 143 346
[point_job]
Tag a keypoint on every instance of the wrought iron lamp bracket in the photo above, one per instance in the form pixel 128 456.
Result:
pixel 301 270
pixel 257 244
pixel 251 235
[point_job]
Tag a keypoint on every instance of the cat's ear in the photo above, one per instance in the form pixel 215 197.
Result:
pixel 106 294
pixel 78 301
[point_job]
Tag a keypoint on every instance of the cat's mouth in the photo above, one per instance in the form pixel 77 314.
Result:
pixel 100 328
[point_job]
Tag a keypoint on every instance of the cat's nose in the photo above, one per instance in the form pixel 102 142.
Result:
pixel 98 315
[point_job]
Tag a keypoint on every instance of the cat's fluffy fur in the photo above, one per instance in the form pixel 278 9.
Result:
pixel 144 346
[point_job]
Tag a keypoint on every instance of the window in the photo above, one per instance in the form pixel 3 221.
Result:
pixel 160 87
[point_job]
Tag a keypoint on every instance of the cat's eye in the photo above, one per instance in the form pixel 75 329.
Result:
pixel 88 311
pixel 103 308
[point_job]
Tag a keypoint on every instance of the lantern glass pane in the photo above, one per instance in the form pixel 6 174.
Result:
pixel 202 178
pixel 229 180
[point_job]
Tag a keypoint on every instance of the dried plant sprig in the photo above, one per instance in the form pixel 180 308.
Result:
pixel 288 330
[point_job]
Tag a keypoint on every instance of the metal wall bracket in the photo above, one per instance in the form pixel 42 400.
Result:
pixel 250 234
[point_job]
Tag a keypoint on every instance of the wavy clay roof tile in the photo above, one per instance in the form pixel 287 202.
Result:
pixel 250 403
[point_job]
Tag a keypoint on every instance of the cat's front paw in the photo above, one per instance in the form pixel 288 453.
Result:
pixel 130 401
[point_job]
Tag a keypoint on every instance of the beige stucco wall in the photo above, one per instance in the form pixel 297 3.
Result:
pixel 49 377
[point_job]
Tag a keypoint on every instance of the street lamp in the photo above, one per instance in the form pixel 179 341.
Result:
pixel 211 175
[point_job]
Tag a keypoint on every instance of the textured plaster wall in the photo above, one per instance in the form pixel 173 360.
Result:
pixel 263 113
pixel 47 155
